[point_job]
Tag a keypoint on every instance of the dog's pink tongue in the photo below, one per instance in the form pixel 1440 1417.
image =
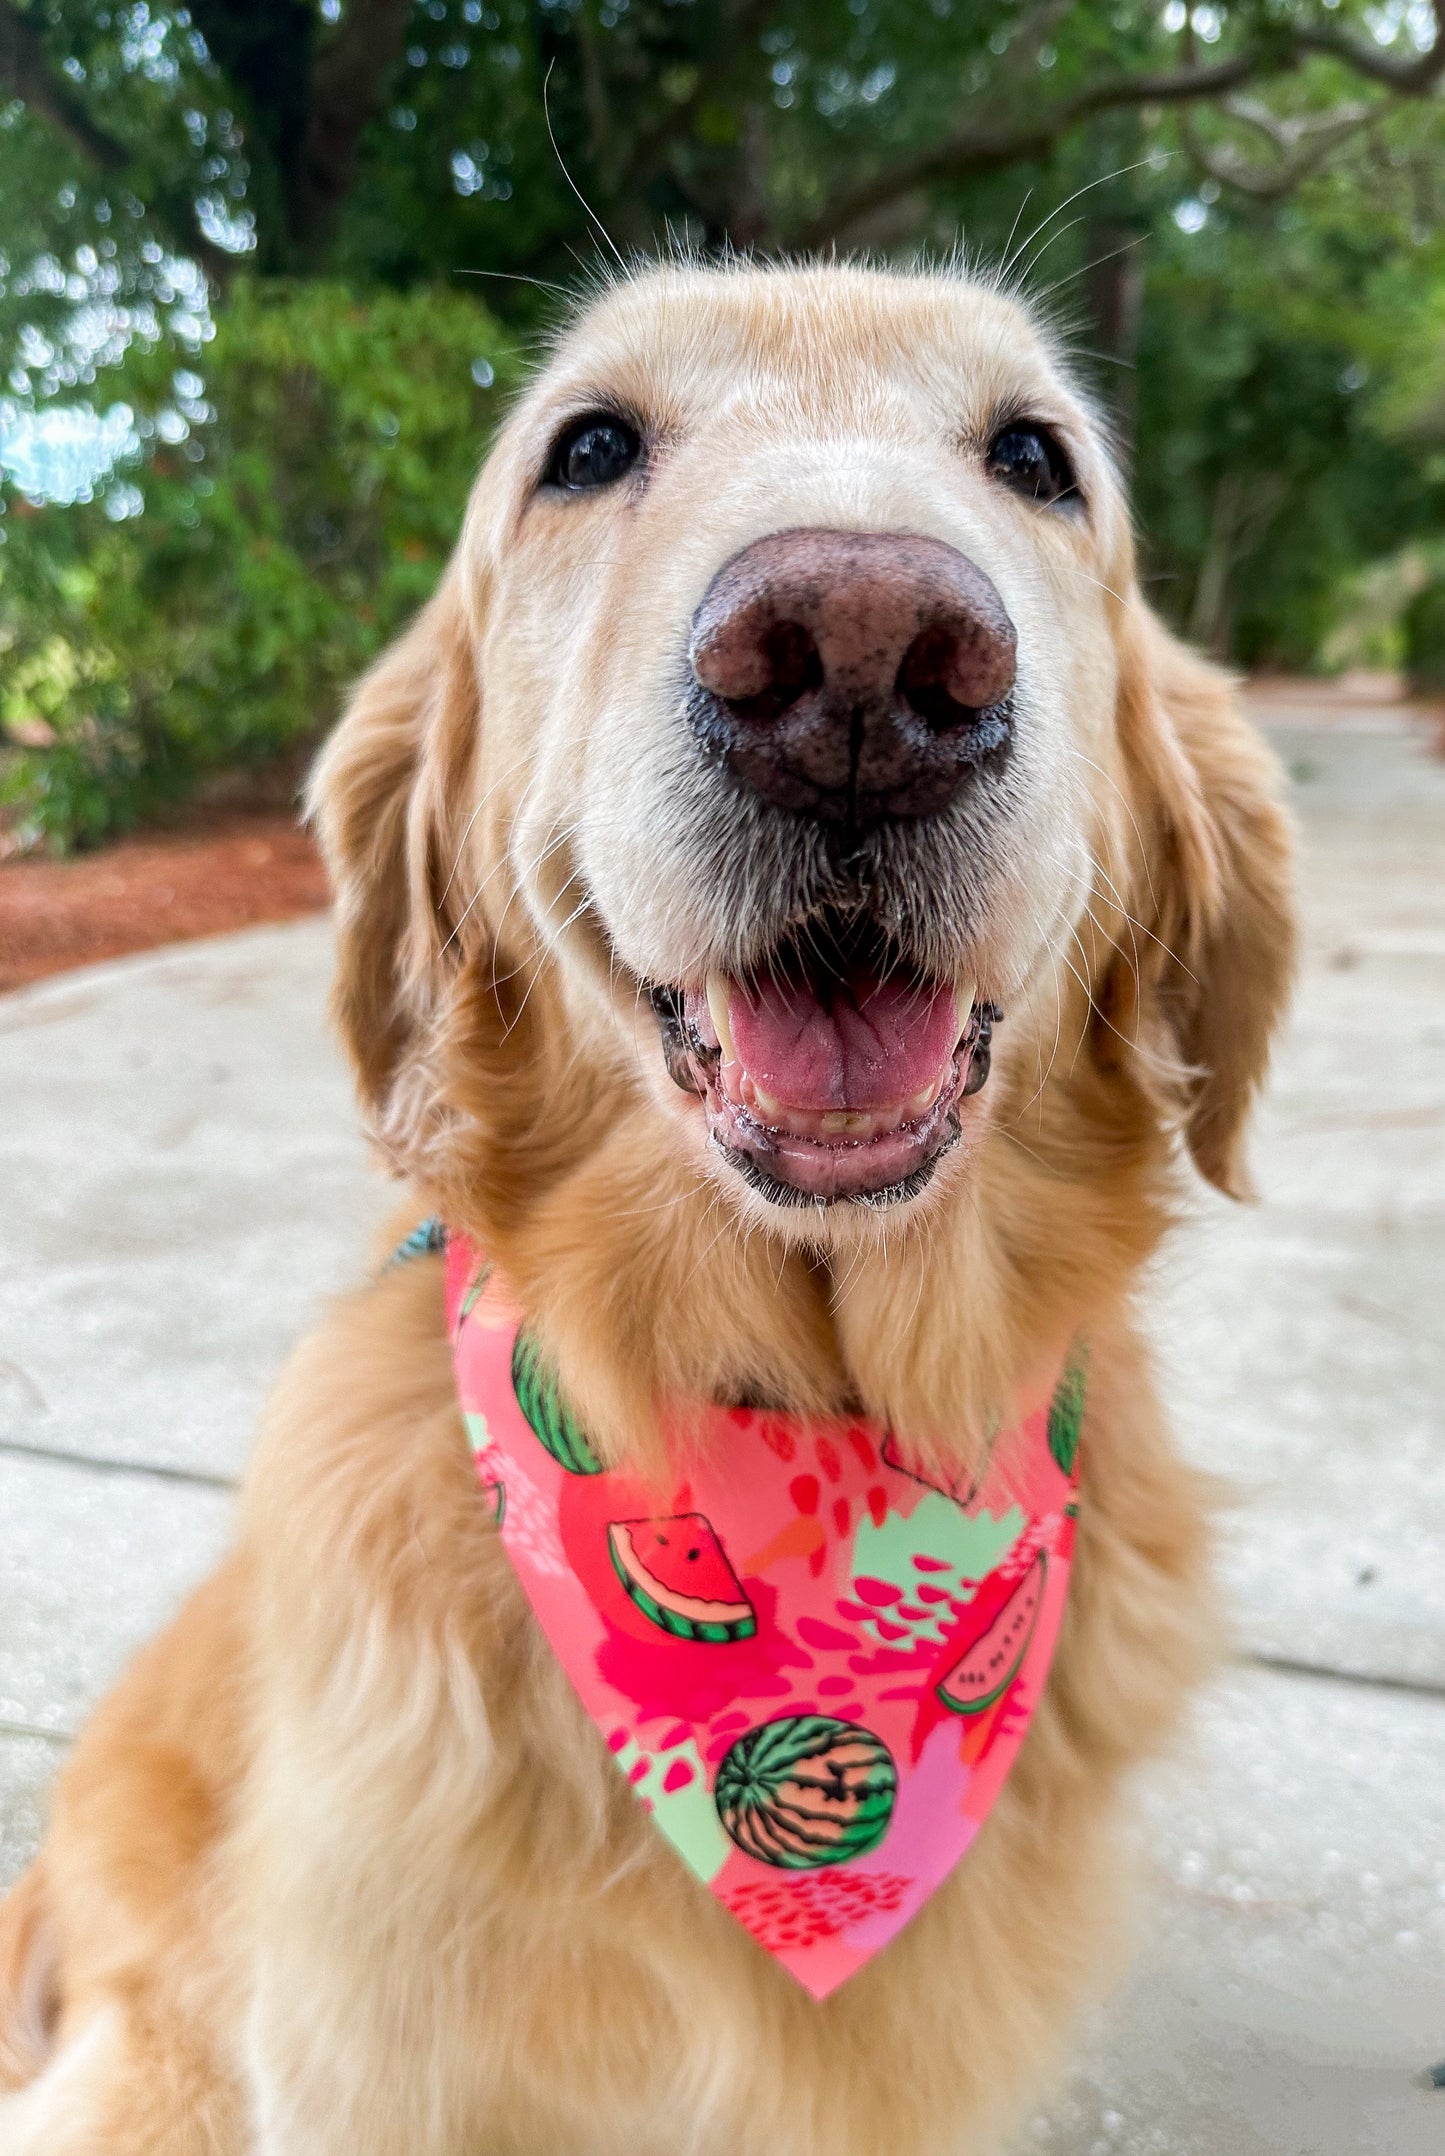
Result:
pixel 875 1044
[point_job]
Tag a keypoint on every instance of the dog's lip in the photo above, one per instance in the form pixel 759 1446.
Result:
pixel 807 1156
pixel 828 1167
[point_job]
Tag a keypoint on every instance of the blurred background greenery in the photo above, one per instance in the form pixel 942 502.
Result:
pixel 250 366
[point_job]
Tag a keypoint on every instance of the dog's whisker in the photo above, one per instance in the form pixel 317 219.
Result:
pixel 1107 776
pixel 1105 179
pixel 491 791
pixel 502 862
pixel 1058 1030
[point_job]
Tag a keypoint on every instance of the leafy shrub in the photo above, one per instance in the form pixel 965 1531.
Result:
pixel 298 505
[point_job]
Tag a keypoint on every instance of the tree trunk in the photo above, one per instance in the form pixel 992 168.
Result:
pixel 1209 616
pixel 1114 300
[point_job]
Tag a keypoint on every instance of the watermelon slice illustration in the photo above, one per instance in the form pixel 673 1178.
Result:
pixel 540 1398
pixel 989 1665
pixel 496 1496
pixel 675 1571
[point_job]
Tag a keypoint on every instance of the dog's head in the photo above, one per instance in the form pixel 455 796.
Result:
pixel 789 761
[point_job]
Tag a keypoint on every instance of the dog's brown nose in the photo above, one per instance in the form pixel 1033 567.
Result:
pixel 853 675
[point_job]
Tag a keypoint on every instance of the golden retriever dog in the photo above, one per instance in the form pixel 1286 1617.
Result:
pixel 792 657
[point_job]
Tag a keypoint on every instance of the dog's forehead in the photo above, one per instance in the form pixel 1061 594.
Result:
pixel 674 344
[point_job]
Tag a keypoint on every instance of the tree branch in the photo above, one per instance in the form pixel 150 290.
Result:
pixel 1304 146
pixel 1287 130
pixel 972 151
pixel 969 153
pixel 26 73
pixel 1408 78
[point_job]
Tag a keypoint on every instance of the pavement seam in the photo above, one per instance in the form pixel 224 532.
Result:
pixel 157 1471
pixel 1285 1665
pixel 35 1730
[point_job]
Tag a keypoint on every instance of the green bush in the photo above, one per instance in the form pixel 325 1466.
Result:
pixel 1424 625
pixel 299 501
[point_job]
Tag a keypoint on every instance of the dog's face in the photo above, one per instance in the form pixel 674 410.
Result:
pixel 795 668
pixel 789 722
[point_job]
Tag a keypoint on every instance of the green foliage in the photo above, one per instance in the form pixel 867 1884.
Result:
pixel 291 522
pixel 1270 467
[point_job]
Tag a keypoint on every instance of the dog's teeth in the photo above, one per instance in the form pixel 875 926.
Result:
pixel 849 1123
pixel 964 998
pixel 761 1100
pixel 923 1098
pixel 717 1004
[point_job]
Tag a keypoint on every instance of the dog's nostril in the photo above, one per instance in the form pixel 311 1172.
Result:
pixel 928 677
pixel 793 667
pixel 794 658
pixel 951 672
pixel 759 669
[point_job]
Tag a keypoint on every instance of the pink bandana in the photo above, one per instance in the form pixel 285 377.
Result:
pixel 814 1665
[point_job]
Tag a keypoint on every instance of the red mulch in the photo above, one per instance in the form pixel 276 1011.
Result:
pixel 223 870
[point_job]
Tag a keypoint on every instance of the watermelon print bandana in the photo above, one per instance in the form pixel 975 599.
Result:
pixel 814 1665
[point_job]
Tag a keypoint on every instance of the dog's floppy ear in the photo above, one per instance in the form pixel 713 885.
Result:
pixel 382 798
pixel 1200 979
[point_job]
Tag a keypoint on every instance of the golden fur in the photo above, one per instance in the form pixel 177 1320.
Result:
pixel 341 1869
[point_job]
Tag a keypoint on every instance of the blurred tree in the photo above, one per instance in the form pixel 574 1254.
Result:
pixel 354 128
pixel 298 505
pixel 1292 396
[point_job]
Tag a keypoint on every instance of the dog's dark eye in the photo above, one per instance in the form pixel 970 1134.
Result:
pixel 1030 461
pixel 593 452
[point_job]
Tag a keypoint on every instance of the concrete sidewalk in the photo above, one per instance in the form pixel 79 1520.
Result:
pixel 184 1186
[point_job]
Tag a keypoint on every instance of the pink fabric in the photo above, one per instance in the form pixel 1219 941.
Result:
pixel 814 1666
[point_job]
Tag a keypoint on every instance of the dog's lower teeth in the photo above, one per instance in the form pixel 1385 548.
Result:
pixel 922 1100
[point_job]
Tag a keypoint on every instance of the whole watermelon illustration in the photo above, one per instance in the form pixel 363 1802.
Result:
pixel 806 1790
pixel 676 1572
pixel 540 1398
pixel 990 1663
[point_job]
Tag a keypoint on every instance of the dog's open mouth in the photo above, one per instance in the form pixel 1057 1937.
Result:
pixel 835 1072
